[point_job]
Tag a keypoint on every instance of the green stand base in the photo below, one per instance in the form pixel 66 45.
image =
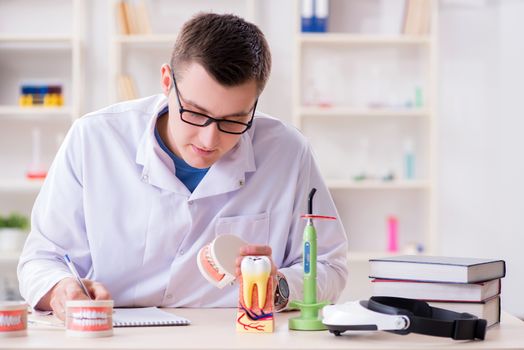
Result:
pixel 301 324
pixel 308 319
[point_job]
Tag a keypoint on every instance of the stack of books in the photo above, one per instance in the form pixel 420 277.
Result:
pixel 458 284
pixel 417 17
pixel 133 17
pixel 126 88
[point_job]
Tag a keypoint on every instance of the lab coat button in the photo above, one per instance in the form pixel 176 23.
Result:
pixel 182 252
pixel 145 178
pixel 190 202
pixel 169 296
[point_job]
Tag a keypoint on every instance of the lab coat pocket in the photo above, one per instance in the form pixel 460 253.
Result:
pixel 253 228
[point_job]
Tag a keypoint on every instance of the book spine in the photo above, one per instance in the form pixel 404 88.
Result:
pixel 123 25
pixel 307 21
pixel 130 12
pixel 143 18
pixel 321 15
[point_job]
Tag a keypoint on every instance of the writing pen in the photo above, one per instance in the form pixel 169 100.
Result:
pixel 46 323
pixel 75 273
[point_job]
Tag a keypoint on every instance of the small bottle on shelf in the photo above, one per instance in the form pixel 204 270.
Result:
pixel 36 168
pixel 419 97
pixel 409 160
pixel 392 234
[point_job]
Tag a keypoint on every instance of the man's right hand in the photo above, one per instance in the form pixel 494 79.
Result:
pixel 69 289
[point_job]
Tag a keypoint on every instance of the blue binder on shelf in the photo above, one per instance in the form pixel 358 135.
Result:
pixel 314 16
pixel 321 15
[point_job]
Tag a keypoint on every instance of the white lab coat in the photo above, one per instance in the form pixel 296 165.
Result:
pixel 112 202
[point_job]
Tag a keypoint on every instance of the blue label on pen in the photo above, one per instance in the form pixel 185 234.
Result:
pixel 307 257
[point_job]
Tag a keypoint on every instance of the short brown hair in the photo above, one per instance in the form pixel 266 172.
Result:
pixel 232 50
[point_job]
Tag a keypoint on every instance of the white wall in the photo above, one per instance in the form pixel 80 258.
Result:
pixel 480 136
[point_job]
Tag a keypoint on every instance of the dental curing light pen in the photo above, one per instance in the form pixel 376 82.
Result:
pixel 75 273
pixel 309 307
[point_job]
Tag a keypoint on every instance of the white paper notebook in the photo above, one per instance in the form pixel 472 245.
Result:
pixel 148 316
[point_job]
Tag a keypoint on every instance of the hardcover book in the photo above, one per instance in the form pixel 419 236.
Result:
pixel 437 291
pixel 487 309
pixel 437 269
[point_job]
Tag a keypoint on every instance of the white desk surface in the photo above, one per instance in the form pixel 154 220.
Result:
pixel 215 329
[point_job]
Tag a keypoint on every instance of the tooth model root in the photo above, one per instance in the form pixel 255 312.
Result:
pixel 255 272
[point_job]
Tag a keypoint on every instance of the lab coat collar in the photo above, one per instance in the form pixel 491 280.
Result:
pixel 229 172
pixel 226 175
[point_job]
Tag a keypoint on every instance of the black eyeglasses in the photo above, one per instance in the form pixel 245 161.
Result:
pixel 199 119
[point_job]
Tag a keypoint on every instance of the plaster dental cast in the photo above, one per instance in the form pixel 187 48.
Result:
pixel 138 188
pixel 13 319
pixel 89 318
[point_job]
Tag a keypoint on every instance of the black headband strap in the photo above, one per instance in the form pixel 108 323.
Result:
pixel 428 320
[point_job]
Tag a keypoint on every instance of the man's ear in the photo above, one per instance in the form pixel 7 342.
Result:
pixel 166 80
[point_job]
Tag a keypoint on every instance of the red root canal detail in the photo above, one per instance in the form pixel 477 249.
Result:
pixel 252 325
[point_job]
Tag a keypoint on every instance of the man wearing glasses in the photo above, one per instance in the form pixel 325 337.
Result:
pixel 138 188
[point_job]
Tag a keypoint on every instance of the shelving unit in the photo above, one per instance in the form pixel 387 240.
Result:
pixel 20 185
pixel 335 124
pixel 44 48
pixel 22 43
pixel 131 51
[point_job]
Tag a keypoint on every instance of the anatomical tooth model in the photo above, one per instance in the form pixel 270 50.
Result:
pixel 255 301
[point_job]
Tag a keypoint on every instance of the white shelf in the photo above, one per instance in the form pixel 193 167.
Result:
pixel 20 185
pixel 145 39
pixel 34 55
pixel 37 39
pixel 313 112
pixel 9 257
pixel 365 256
pixel 378 185
pixel 361 39
pixel 35 112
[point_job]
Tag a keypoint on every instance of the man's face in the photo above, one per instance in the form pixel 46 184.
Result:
pixel 201 147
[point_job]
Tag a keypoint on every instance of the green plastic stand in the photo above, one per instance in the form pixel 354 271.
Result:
pixel 308 319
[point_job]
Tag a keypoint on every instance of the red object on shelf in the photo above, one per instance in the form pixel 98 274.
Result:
pixel 34 175
pixel 325 104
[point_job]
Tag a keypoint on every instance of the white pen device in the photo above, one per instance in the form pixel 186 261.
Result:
pixel 75 273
